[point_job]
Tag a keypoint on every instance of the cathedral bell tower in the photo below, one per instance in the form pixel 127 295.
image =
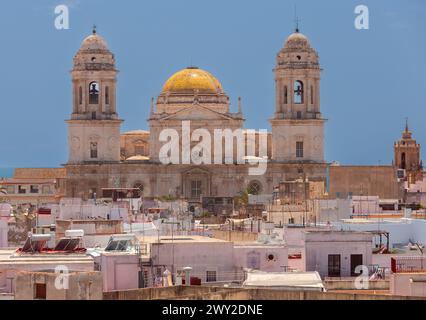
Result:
pixel 94 127
pixel 297 126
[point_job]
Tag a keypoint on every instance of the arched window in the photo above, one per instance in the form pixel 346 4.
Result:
pixel 403 165
pixel 254 188
pixel 80 95
pixel 299 149
pixel 298 92
pixel 93 150
pixel 285 95
pixel 94 93
pixel 312 95
pixel 106 95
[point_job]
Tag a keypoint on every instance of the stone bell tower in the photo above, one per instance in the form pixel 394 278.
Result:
pixel 297 126
pixel 407 156
pixel 94 127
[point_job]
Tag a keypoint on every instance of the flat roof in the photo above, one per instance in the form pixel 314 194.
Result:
pixel 8 257
pixel 180 239
pixel 283 279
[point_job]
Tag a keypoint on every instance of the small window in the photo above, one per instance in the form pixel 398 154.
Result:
pixel 285 95
pixel 254 188
pixel 93 150
pixel 94 93
pixel 195 189
pixel 299 149
pixel 34 189
pixel 94 115
pixel 22 190
pixel 106 95
pixel 312 95
pixel 211 276
pixel 80 95
pixel 299 115
pixel 40 291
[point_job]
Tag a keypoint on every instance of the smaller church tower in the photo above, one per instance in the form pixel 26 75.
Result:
pixel 407 156
pixel 94 127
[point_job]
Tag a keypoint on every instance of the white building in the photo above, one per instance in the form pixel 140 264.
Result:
pixel 336 253
pixel 211 260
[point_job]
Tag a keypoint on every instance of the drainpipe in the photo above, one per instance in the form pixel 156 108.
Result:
pixel 187 271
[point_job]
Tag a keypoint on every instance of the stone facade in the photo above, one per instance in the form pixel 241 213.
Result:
pixel 381 181
pixel 101 158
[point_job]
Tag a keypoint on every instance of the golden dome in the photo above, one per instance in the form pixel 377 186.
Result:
pixel 192 79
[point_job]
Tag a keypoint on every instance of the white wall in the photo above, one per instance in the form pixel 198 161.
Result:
pixel 408 284
pixel 318 245
pixel 280 253
pixel 120 271
pixel 3 234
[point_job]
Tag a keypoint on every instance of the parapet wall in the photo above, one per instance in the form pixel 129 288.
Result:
pixel 220 293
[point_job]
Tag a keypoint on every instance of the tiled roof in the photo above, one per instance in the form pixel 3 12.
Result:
pixel 40 173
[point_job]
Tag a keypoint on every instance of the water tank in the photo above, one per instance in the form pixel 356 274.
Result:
pixel 74 233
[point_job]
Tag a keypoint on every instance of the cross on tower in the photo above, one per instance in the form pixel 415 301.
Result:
pixel 296 19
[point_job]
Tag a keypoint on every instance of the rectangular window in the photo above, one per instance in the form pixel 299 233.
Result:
pixel 195 189
pixel 22 190
pixel 34 189
pixel 211 276
pixel 299 149
pixel 40 291
pixel 106 95
pixel 334 265
pixel 93 150
pixel 285 95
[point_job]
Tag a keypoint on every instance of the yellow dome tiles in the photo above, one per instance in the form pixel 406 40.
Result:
pixel 192 79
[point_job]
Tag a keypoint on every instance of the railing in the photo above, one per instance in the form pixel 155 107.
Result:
pixel 413 264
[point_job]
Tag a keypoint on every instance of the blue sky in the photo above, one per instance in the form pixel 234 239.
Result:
pixel 372 79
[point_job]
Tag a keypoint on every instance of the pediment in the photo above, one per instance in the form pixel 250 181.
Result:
pixel 196 170
pixel 197 112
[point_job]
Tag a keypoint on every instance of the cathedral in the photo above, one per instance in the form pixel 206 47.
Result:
pixel 101 157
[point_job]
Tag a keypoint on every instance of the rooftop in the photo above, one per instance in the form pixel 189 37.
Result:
pixel 180 239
